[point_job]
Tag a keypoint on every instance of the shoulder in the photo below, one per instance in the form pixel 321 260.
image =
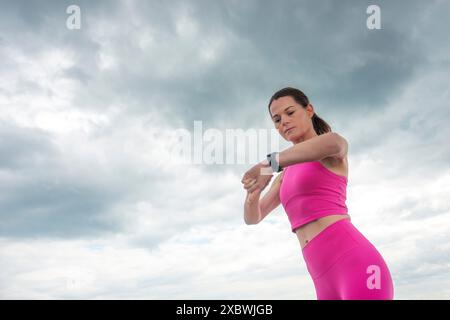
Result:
pixel 338 162
pixel 342 142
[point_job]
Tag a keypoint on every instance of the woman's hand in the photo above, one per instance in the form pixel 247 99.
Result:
pixel 251 196
pixel 258 177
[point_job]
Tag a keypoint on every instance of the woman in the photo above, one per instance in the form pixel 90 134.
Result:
pixel 343 264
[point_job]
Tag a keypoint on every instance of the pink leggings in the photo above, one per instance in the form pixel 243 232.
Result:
pixel 345 265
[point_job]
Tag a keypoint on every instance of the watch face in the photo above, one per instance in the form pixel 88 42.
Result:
pixel 274 169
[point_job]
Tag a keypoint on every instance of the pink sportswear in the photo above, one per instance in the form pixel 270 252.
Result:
pixel 345 265
pixel 310 191
pixel 342 262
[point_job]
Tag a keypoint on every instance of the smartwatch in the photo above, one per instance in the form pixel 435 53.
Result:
pixel 273 163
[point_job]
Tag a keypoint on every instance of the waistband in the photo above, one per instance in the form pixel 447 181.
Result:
pixel 332 243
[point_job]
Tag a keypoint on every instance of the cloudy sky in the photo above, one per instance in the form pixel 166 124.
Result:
pixel 92 205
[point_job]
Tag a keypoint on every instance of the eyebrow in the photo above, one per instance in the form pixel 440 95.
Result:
pixel 284 110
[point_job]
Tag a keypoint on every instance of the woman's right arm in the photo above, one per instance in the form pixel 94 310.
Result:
pixel 255 210
pixel 252 210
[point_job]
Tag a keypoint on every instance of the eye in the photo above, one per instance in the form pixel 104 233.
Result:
pixel 289 113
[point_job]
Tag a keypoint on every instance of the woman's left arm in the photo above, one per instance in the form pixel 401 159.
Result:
pixel 329 144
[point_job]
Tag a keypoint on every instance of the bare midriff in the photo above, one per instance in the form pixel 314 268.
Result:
pixel 308 231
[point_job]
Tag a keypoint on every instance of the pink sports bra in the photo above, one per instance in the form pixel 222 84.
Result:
pixel 310 191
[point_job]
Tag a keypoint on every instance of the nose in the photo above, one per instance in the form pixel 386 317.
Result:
pixel 284 123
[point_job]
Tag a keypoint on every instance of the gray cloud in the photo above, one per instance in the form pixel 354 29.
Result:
pixel 38 197
pixel 325 49
pixel 20 147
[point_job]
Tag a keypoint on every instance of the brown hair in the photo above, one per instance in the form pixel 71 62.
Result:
pixel 320 125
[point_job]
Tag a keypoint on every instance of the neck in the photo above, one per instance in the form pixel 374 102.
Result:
pixel 308 135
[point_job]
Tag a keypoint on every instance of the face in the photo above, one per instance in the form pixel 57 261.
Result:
pixel 288 114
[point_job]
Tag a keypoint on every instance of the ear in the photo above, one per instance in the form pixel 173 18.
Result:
pixel 310 110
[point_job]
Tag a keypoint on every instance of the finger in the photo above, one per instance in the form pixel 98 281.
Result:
pixel 245 177
pixel 246 180
pixel 253 187
pixel 249 184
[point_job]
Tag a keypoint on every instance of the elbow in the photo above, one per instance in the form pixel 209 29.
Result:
pixel 339 147
pixel 250 222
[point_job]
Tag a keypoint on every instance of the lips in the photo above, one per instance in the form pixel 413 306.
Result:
pixel 286 131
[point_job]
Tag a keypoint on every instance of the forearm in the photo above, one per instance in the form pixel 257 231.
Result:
pixel 252 211
pixel 313 149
